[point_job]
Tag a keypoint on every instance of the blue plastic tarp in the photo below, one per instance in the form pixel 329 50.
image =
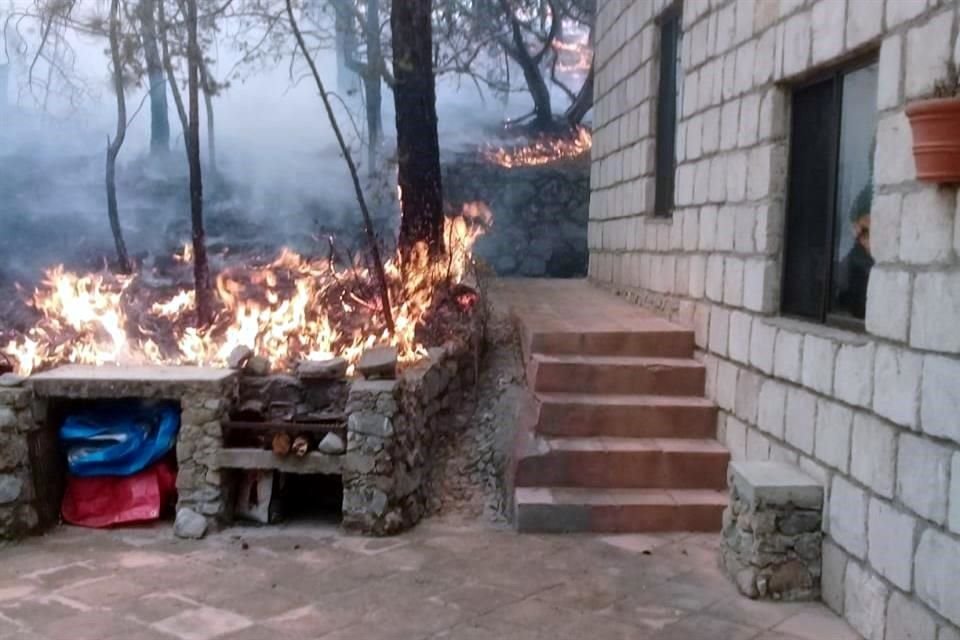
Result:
pixel 120 438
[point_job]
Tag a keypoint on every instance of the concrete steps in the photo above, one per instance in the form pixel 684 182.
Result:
pixel 581 415
pixel 616 375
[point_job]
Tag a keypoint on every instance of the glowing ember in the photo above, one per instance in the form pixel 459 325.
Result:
pixel 573 57
pixel 543 151
pixel 293 308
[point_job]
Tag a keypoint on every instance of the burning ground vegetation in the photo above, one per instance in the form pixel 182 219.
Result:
pixel 287 309
pixel 542 150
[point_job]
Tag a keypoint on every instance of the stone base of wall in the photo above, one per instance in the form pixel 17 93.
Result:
pixel 18 510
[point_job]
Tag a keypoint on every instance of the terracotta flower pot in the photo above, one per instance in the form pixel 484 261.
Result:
pixel 936 139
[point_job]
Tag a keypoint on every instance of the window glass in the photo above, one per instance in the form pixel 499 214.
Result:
pixel 854 193
pixel 667 106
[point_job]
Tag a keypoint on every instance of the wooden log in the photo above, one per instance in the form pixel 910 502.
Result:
pixel 281 444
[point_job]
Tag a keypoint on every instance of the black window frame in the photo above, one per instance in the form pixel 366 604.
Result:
pixel 669 23
pixel 834 75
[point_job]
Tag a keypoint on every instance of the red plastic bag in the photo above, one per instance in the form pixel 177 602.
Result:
pixel 106 501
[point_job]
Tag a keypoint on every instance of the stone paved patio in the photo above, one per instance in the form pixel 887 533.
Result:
pixel 446 579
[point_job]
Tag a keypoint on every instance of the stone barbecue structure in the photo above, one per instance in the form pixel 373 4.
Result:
pixel 867 407
pixel 772 540
pixel 390 426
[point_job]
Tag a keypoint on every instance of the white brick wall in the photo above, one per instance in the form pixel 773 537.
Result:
pixel 874 454
pixel 891 542
pixel 865 602
pixel 848 516
pixel 937 566
pixel 923 469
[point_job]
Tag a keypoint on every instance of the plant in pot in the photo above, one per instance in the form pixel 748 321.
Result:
pixel 936 130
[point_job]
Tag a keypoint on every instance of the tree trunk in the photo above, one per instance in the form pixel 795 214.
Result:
pixel 159 118
pixel 373 86
pixel 418 146
pixel 583 103
pixel 113 146
pixel 346 45
pixel 171 76
pixel 206 85
pixel 201 270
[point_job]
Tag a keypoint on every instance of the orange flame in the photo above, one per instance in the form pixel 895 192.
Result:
pixel 542 152
pixel 293 308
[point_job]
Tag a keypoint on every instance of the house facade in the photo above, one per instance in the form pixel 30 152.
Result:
pixel 753 177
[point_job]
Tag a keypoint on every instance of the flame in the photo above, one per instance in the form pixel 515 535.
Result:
pixel 543 151
pixel 292 308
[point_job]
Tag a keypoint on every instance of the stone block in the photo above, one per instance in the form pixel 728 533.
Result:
pixel 736 438
pixel 727 374
pixel 761 285
pixel 729 124
pixel 896 385
pixel 801 419
pixel 928 49
pixel 873 456
pixel 765 61
pixel 936 567
pixel 953 517
pixel 923 469
pixel 763 338
pixel 818 363
pixel 828 21
pixel 864 23
pixel 749 120
pixel 908 620
pixel 797 44
pixel 834 573
pixel 739 346
pixel 940 397
pixel 11 488
pixel 888 303
pixel 771 410
pixel 758 445
pixel 926 226
pixel 736 176
pixel 890 71
pixel 726 228
pixel 745 56
pixel 748 390
pixel 834 426
pixel 853 376
pixel 786 362
pixel 936 306
pixel 719 330
pixel 865 602
pixel 891 540
pixel 733 281
pixel 885 227
pixel 848 516
pixel 893 163
pixel 775 483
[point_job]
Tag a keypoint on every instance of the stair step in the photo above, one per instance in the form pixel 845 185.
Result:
pixel 616 375
pixel 653 338
pixel 584 415
pixel 642 463
pixel 565 510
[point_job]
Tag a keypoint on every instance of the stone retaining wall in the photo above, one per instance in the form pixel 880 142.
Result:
pixel 18 511
pixel 871 415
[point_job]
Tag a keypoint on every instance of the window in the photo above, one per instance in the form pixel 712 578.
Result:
pixel 667 105
pixel 827 258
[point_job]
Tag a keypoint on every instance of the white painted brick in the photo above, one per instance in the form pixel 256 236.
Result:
pixel 729 75
pixel 853 376
pixel 694 137
pixel 748 391
pixel 780 453
pixel 888 303
pixel 796 51
pixel 726 384
pixel 819 473
pixel 923 468
pixel 701 187
pixel 885 227
pixel 936 568
pixel 928 49
pixel 927 225
pixel 893 162
pixel 896 385
pixel 828 22
pixel 908 620
pixel 948 632
pixel 864 21
pixel 719 331
pixel 787 359
pixel 764 59
pixel 684 188
pixel 736 438
pixel 865 602
pixel 745 17
pixel 758 445
pixel 891 540
pixel 834 567
pixel 818 362
pixel 873 454
pixel 739 348
pixel 726 225
pixel 767 171
pixel 773 114
pixel 711 130
pixel 691 229
pixel 733 282
pixel 749 120
pixel 768 230
pixel 701 321
pixel 715 278
pixel 763 338
pixel 953 515
pixel 834 424
pixel 801 419
pixel 848 517
pixel 736 170
pixel 940 397
pixel 890 72
pixel 745 60
pixel 718 179
pixel 708 228
pixel 936 308
pixel 729 124
pixel 900 11
pixel 771 409
pixel 743 229
pixel 726 28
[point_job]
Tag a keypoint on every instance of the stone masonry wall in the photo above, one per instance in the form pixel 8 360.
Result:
pixel 18 513
pixel 872 415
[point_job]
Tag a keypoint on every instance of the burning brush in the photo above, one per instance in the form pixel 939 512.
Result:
pixel 290 309
pixel 542 151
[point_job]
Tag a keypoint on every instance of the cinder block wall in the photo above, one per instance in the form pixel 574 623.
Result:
pixel 874 415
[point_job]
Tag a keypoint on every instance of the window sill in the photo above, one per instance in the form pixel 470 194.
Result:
pixel 845 336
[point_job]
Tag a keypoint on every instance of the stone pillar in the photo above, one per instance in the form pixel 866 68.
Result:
pixel 18 509
pixel 772 538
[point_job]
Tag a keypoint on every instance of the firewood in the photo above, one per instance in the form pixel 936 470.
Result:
pixel 281 444
pixel 301 445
